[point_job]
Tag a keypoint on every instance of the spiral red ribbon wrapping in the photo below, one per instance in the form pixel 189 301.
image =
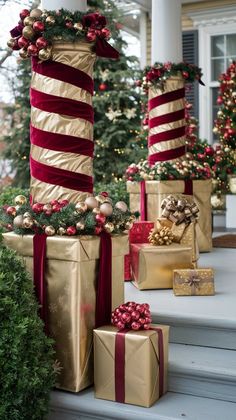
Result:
pixel 166 140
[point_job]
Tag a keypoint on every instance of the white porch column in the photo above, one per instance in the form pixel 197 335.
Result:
pixel 72 5
pixel 166 31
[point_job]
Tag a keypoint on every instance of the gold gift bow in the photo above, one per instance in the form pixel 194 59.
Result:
pixel 179 210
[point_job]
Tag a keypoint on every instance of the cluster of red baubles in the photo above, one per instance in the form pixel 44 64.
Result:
pixel 132 315
pixel 131 171
pixel 29 35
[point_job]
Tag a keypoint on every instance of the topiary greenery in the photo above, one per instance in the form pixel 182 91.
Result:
pixel 26 354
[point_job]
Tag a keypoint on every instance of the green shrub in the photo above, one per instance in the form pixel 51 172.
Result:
pixel 116 190
pixel 26 354
pixel 8 194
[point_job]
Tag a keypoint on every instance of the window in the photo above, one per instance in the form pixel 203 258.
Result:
pixel 223 51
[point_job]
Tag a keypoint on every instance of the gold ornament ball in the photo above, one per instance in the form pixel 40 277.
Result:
pixel 91 202
pixel 28 32
pixel 109 227
pixel 11 42
pixel 23 53
pixel 96 210
pixel 61 231
pixel 106 209
pixel 101 199
pixel 80 226
pixel 122 206
pixel 215 130
pixel 50 20
pixel 50 230
pixel 27 214
pixel 128 225
pixel 45 54
pixel 29 21
pixel 20 200
pixel 27 222
pixel 36 13
pixel 132 218
pixel 18 221
pixel 81 207
pixel 78 26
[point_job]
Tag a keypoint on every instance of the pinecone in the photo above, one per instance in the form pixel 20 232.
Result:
pixel 163 236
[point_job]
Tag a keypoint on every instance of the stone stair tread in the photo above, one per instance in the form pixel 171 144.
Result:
pixel 211 363
pixel 217 311
pixel 172 406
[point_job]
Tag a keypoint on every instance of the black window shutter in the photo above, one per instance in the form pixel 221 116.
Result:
pixel 190 55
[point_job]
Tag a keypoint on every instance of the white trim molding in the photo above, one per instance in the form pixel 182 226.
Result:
pixel 209 23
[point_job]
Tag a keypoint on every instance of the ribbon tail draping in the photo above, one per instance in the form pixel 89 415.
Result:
pixel 188 187
pixel 143 201
pixel 39 260
pixel 104 283
pixel 104 49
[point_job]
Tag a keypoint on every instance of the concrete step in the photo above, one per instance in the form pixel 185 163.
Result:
pixel 198 320
pixel 172 406
pixel 202 371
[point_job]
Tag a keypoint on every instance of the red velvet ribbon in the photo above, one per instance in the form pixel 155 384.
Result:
pixel 61 142
pixel 143 201
pixel 104 49
pixel 166 118
pixel 166 155
pixel 61 177
pixel 120 363
pixel 166 135
pixel 188 186
pixel 39 261
pixel 104 282
pixel 165 98
pixel 64 73
pixel 60 105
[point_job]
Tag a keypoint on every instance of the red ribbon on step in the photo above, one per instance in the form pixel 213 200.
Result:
pixel 143 201
pixel 120 363
pixel 104 282
pixel 39 262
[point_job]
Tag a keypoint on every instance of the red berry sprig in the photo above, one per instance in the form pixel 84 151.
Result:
pixel 132 315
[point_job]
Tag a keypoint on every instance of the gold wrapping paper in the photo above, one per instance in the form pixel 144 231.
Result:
pixel 152 266
pixel 198 282
pixel 158 190
pixel 71 270
pixel 141 365
pixel 183 234
pixel 79 55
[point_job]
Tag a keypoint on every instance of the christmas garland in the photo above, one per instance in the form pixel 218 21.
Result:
pixel 90 217
pixel 160 72
pixel 37 29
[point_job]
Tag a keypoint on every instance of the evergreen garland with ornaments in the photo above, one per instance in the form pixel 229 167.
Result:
pixel 37 29
pixel 90 217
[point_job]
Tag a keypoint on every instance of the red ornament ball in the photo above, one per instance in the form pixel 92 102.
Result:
pixel 128 316
pixel 69 24
pixel 37 208
pixel 91 36
pixel 105 33
pixel 56 208
pixel 219 100
pixel 24 13
pixel 97 230
pixel 32 50
pixel 102 86
pixel 41 43
pixel 23 42
pixel 135 326
pixel 185 74
pixel 38 26
pixel 209 151
pixel 64 203
pixel 71 230
pixel 100 218
pixel 11 210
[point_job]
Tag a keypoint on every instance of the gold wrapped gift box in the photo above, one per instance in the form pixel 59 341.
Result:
pixel 198 282
pixel 158 190
pixel 183 234
pixel 71 273
pixel 142 365
pixel 152 266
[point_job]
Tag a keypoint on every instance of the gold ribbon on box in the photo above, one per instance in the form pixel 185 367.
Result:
pixel 199 282
pixel 71 300
pixel 141 365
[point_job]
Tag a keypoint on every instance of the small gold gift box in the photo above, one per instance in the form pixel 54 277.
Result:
pixel 198 282
pixel 152 266
pixel 131 367
pixel 71 275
